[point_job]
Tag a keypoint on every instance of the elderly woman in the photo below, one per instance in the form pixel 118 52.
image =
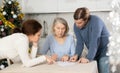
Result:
pixel 60 44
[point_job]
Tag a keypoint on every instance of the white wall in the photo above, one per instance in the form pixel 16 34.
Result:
pixel 93 5
pixel 49 17
pixel 0 2
pixel 47 10
pixel 56 6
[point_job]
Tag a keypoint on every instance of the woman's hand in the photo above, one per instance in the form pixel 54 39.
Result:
pixel 83 60
pixel 35 44
pixel 73 58
pixel 49 60
pixel 65 58
pixel 54 57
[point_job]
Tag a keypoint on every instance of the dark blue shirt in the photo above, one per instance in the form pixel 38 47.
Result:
pixel 95 36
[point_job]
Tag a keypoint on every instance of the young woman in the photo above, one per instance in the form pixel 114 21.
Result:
pixel 60 44
pixel 16 46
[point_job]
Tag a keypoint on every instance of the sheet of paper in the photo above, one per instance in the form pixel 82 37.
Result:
pixel 60 63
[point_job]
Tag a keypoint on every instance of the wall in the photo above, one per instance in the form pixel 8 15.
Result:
pixel 49 17
pixel 56 6
pixel 43 10
pixel 0 2
pixel 47 10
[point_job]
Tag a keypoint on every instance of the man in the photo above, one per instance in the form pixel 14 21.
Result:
pixel 91 31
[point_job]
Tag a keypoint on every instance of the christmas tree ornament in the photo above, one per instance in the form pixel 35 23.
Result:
pixel 14 16
pixel 21 15
pixel 2 29
pixel 7 23
pixel 2 67
pixel 1 22
pixel 9 2
pixel 16 3
pixel 11 20
pixel 19 8
pixel 12 12
pixel 2 7
pixel 4 13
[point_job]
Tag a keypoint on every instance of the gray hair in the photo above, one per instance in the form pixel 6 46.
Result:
pixel 63 21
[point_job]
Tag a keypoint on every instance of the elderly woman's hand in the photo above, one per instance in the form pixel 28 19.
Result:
pixel 54 57
pixel 65 58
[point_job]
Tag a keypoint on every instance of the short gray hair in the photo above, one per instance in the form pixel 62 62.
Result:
pixel 63 21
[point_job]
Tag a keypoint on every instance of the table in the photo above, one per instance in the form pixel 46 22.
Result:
pixel 54 68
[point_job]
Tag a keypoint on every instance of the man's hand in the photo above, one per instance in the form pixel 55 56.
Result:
pixel 83 60
pixel 73 58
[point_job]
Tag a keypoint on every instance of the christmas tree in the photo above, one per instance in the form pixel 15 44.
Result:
pixel 10 17
pixel 114 45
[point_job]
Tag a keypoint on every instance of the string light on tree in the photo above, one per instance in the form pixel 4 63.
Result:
pixel 4 13
pixel 14 16
pixel 9 2
pixel 12 12
pixel 2 67
pixel 114 45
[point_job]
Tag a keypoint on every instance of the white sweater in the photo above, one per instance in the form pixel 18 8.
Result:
pixel 16 46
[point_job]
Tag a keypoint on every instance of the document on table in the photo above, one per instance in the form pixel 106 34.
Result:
pixel 60 63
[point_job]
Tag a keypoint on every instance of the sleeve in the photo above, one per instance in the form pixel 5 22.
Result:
pixel 33 53
pixel 22 46
pixel 72 47
pixel 79 43
pixel 94 41
pixel 46 46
